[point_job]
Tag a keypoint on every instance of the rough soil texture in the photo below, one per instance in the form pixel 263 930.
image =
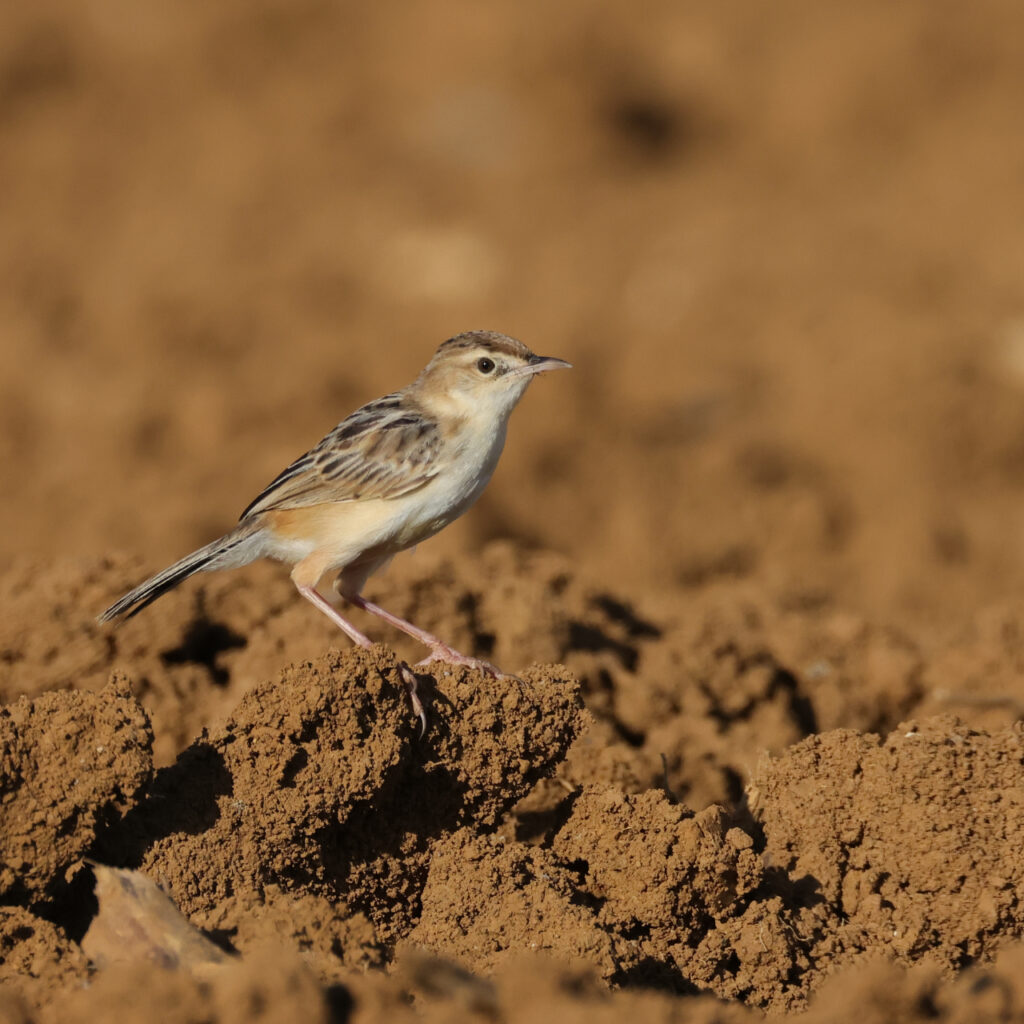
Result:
pixel 71 763
pixel 757 560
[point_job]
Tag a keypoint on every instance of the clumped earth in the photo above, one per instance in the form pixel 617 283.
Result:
pixel 757 560
pixel 694 843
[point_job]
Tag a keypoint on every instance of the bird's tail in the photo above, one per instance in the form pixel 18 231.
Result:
pixel 225 552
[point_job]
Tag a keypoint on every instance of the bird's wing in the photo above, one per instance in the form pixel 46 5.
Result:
pixel 384 450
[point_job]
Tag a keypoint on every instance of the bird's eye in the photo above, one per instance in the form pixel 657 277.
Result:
pixel 485 365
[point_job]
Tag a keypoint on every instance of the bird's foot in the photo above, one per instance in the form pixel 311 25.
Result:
pixel 449 656
pixel 410 681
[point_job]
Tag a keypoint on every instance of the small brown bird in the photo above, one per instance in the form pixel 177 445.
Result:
pixel 392 474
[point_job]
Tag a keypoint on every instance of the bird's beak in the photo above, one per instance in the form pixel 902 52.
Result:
pixel 540 364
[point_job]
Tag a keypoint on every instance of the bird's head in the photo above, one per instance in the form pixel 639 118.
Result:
pixel 481 372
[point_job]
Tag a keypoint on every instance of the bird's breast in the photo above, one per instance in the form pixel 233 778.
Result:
pixel 457 485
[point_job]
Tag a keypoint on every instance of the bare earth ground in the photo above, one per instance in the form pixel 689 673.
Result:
pixel 759 559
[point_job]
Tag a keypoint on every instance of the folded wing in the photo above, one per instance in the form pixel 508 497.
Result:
pixel 385 450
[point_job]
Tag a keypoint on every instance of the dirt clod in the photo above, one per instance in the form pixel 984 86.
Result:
pixel 904 839
pixel 70 764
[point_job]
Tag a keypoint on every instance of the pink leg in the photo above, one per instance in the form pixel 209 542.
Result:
pixel 408 677
pixel 439 650
pixel 321 602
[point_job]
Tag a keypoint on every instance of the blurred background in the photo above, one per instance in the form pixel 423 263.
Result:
pixel 782 245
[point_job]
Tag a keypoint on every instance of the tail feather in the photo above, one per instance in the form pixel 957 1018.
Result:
pixel 156 586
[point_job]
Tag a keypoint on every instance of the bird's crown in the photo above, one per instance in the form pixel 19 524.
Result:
pixel 488 342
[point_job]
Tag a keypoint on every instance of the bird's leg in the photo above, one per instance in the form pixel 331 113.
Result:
pixel 439 650
pixel 317 599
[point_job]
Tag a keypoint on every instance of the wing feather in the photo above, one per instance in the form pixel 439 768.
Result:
pixel 384 450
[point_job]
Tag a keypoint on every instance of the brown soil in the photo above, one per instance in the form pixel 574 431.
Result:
pixel 757 559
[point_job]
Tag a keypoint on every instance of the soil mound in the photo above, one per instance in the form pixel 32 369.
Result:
pixel 314 819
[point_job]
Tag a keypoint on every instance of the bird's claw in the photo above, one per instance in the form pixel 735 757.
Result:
pixel 445 655
pixel 448 656
pixel 411 685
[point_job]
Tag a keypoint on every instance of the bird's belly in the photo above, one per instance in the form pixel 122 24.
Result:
pixel 346 532
pixel 437 507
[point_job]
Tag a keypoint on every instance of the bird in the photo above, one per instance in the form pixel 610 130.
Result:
pixel 392 474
